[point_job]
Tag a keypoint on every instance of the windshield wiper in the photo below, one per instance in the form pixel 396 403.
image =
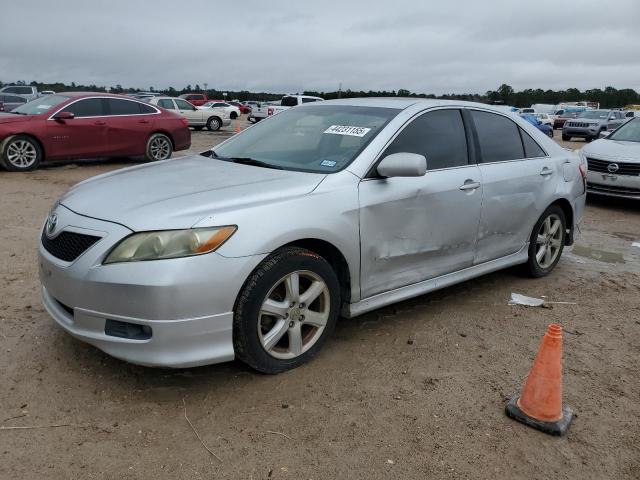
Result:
pixel 251 161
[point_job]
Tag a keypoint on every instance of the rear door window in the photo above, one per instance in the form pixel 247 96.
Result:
pixel 119 106
pixel 438 135
pixel 498 136
pixel 89 107
pixel 168 104
pixel 182 105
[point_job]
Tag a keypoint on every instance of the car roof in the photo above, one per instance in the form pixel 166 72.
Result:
pixel 401 103
pixel 91 94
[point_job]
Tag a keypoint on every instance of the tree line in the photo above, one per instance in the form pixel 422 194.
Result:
pixel 609 97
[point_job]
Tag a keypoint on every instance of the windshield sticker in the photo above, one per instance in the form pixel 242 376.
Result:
pixel 347 130
pixel 328 163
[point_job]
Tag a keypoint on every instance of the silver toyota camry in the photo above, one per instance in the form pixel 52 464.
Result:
pixel 614 162
pixel 253 250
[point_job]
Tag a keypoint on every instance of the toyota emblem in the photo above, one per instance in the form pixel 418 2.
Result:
pixel 50 227
pixel 612 167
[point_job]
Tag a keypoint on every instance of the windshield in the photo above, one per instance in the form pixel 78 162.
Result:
pixel 321 139
pixel 596 114
pixel 628 132
pixel 40 105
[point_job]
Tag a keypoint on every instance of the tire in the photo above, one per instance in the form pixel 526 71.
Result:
pixel 550 133
pixel 553 242
pixel 284 339
pixel 20 153
pixel 214 124
pixel 233 115
pixel 588 139
pixel 159 147
pixel 566 138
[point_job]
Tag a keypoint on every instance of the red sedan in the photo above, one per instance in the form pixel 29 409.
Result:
pixel 88 125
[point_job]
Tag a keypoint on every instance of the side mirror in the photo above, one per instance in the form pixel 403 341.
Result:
pixel 64 116
pixel 402 165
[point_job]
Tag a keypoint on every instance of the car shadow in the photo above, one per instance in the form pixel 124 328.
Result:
pixel 616 203
pixel 124 161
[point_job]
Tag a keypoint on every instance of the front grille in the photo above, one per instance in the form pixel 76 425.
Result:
pixel 578 124
pixel 595 188
pixel 630 169
pixel 68 246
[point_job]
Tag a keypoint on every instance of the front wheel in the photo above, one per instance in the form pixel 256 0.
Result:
pixel 214 124
pixel 547 242
pixel 286 310
pixel 550 133
pixel 20 154
pixel 159 147
pixel 566 138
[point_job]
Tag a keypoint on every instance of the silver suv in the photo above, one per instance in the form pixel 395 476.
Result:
pixel 590 123
pixel 254 249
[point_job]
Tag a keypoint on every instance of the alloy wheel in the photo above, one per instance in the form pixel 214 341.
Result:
pixel 549 241
pixel 21 154
pixel 160 148
pixel 294 314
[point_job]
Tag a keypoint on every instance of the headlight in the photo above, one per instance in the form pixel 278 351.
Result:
pixel 169 244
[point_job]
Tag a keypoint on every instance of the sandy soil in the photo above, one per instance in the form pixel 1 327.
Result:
pixel 415 390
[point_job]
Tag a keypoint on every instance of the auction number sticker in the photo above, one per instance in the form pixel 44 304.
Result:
pixel 347 130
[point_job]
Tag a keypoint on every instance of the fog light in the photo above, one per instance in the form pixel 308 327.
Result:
pixel 132 331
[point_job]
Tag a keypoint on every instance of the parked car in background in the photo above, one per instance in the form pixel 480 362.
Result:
pixel 527 110
pixel 614 162
pixel 11 101
pixel 561 116
pixel 590 123
pixel 145 95
pixel 26 91
pixel 543 127
pixel 289 101
pixel 88 125
pixel 234 112
pixel 47 92
pixel 259 111
pixel 212 118
pixel 197 99
pixel 241 106
pixel 544 118
pixel 340 207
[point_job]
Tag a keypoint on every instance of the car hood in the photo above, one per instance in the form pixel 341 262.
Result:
pixel 13 118
pixel 182 192
pixel 613 150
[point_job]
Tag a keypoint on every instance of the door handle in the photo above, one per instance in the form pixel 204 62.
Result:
pixel 99 122
pixel 143 121
pixel 546 171
pixel 469 185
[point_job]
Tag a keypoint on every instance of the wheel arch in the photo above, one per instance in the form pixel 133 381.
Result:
pixel 334 256
pixel 567 209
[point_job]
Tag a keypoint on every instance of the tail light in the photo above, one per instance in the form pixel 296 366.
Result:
pixel 185 122
pixel 269 111
pixel 1 107
pixel 583 172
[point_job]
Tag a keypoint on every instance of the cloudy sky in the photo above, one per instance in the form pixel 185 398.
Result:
pixel 277 46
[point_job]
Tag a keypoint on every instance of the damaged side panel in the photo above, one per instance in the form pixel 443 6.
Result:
pixel 412 229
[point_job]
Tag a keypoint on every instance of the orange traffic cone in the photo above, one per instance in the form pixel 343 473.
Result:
pixel 540 404
pixel 238 129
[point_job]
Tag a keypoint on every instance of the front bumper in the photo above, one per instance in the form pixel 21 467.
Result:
pixel 187 303
pixel 580 131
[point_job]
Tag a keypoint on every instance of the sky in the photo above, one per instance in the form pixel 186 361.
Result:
pixel 451 46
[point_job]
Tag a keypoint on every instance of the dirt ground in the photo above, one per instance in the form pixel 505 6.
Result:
pixel 413 391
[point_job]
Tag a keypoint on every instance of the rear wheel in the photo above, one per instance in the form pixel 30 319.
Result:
pixel 547 242
pixel 233 115
pixel 214 124
pixel 159 147
pixel 21 154
pixel 286 310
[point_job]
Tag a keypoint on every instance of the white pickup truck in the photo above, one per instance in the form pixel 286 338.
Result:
pixel 289 101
